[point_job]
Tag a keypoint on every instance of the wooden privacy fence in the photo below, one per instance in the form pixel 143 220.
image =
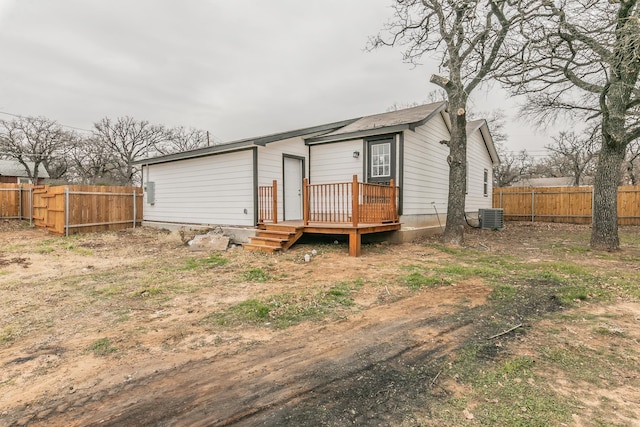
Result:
pixel 562 204
pixel 15 201
pixel 73 209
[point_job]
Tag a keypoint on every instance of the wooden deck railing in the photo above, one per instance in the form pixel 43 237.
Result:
pixel 336 203
pixel 378 203
pixel 268 203
pixel 350 203
pixel 327 203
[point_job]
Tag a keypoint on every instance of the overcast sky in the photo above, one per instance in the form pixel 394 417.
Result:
pixel 238 68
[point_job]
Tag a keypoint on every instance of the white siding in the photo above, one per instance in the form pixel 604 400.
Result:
pixel 334 162
pixel 209 190
pixel 426 171
pixel 270 158
pixel 479 160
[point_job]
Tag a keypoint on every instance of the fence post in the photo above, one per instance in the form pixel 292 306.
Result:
pixel 355 198
pixel 274 201
pixel 134 208
pixel 20 202
pixel 533 205
pixel 500 198
pixel 593 202
pixel 31 207
pixel 66 211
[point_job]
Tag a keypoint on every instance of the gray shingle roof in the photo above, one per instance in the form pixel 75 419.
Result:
pixel 391 121
pixel 13 168
pixel 377 124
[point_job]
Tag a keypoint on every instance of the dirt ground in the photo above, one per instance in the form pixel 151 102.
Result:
pixel 110 329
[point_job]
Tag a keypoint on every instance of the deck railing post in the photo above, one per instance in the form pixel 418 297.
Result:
pixel 355 201
pixel 305 201
pixel 394 210
pixel 274 201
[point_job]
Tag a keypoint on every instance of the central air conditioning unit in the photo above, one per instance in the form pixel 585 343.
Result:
pixel 491 219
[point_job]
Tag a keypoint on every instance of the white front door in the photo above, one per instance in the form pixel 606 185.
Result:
pixel 292 188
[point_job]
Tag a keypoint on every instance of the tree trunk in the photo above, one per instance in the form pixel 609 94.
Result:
pixel 604 233
pixel 614 103
pixel 454 230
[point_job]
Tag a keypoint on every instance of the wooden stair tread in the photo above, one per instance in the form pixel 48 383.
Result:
pixel 274 237
pixel 276 232
pixel 269 239
pixel 255 247
pixel 283 228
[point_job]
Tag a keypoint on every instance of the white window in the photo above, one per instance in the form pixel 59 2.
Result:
pixel 486 183
pixel 24 180
pixel 380 160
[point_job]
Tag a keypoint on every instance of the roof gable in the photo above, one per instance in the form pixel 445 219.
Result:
pixel 377 124
pixel 482 127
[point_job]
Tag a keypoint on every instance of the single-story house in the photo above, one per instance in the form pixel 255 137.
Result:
pixel 12 172
pixel 385 172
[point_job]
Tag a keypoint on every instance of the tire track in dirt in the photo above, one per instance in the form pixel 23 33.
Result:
pixel 297 365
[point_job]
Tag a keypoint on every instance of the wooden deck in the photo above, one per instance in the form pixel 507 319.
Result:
pixel 281 236
pixel 351 208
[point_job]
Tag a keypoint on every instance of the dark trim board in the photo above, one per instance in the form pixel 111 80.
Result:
pixel 370 133
pixel 255 186
pixel 400 171
pixel 147 163
pixel 246 143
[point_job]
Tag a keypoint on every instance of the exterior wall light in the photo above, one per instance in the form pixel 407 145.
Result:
pixel 356 154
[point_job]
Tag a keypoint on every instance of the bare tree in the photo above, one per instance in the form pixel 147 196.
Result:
pixel 93 162
pixel 128 140
pixel 513 166
pixel 469 37
pixel 34 141
pixel 573 155
pixel 581 58
pixel 181 139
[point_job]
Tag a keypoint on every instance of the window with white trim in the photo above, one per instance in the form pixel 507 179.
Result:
pixel 486 183
pixel 381 160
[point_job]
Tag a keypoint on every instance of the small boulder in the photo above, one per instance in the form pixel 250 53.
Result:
pixel 209 242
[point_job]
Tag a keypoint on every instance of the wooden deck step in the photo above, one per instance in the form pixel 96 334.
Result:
pixel 283 228
pixel 285 235
pixel 263 248
pixel 275 237
pixel 268 241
